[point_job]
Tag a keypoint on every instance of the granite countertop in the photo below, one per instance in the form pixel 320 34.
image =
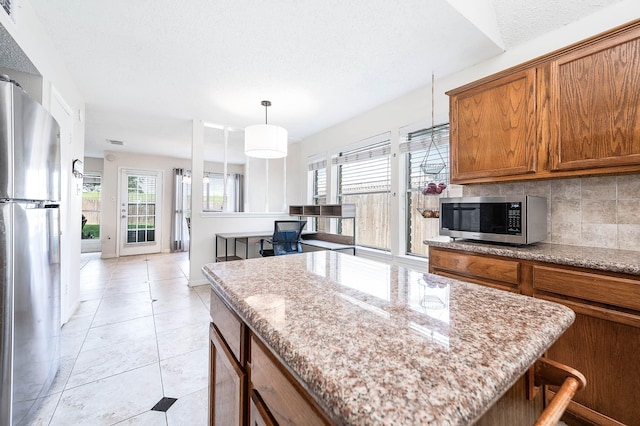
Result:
pixel 379 344
pixel 604 259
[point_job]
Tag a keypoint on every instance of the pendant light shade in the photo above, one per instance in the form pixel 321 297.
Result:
pixel 265 140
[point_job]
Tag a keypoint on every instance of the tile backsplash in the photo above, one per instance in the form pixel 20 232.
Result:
pixel 591 211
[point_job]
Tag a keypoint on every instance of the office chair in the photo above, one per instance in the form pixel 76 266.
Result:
pixel 285 239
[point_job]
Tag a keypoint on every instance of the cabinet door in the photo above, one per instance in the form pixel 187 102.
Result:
pixel 258 412
pixel 493 129
pixel 595 98
pixel 228 383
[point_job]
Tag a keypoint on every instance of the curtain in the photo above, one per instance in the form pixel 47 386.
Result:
pixel 180 223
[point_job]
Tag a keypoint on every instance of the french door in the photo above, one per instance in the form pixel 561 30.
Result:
pixel 140 208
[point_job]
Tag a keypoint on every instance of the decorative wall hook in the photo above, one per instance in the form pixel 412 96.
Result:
pixel 77 168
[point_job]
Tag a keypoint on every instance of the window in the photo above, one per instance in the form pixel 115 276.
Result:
pixel 91 187
pixel 213 192
pixel 426 162
pixel 364 179
pixel 318 174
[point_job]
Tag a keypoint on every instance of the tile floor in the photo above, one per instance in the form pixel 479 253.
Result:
pixel 139 334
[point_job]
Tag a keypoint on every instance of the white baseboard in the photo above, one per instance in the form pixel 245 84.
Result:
pixel 196 283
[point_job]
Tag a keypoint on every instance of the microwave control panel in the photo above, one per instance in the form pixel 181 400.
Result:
pixel 514 218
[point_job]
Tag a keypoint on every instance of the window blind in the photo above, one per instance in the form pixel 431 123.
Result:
pixel 319 183
pixel 370 152
pixel 317 165
pixel 364 179
pixel 420 139
pixel 365 170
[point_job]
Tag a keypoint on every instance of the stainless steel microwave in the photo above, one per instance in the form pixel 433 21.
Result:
pixel 504 219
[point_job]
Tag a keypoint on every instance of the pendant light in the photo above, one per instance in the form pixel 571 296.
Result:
pixel 265 140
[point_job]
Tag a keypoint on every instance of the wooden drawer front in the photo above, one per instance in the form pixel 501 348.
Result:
pixel 229 325
pixel 478 266
pixel 615 291
pixel 286 400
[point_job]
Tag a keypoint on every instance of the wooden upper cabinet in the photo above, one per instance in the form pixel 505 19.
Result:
pixel 573 112
pixel 595 96
pixel 493 128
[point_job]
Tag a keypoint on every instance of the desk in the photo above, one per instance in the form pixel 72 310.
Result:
pixel 235 236
pixel 328 245
pixel 319 240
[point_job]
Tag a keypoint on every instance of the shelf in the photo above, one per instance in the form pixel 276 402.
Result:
pixel 296 210
pixel 338 210
pixel 322 240
pixel 324 210
pixel 311 210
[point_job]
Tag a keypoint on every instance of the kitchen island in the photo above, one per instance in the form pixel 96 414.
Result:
pixel 367 343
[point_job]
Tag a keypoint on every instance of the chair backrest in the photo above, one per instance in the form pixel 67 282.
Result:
pixel 286 236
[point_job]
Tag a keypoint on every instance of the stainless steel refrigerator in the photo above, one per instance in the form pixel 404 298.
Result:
pixel 29 253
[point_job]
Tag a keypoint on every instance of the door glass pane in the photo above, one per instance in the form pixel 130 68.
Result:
pixel 141 199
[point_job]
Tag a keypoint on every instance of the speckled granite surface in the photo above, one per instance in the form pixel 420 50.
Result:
pixel 624 261
pixel 378 344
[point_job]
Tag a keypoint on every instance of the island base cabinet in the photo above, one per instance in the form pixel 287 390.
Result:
pixel 276 397
pixel 228 383
pixel 259 414
pixel 610 353
pixel 521 405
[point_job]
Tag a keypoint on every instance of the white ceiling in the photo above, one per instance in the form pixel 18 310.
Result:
pixel 148 67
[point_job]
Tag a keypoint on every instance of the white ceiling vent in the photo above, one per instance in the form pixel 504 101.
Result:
pixel 9 6
pixel 111 141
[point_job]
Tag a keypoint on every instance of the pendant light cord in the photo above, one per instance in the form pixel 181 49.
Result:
pixel 433 103
pixel 266 105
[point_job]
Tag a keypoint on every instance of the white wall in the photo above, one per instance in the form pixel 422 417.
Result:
pixel 415 106
pixel 34 42
pixel 94 165
pixel 32 84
